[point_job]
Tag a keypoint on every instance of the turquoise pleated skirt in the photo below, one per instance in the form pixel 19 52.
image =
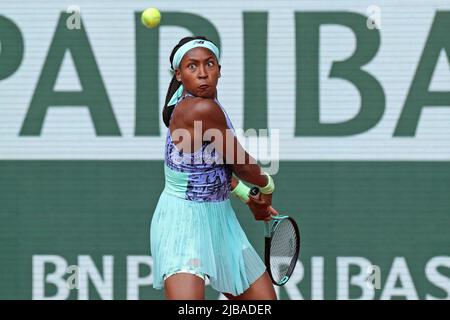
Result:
pixel 206 238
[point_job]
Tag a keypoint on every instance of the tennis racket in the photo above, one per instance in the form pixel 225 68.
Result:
pixel 282 246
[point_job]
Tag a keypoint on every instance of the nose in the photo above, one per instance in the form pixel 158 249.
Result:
pixel 202 72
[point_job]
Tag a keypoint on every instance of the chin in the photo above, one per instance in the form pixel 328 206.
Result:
pixel 205 95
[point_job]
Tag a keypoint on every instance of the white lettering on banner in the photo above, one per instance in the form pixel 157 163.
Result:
pixel 56 278
pixel 321 283
pixel 317 281
pixel 88 271
pixel 360 280
pixel 399 272
pixel 436 278
pixel 134 280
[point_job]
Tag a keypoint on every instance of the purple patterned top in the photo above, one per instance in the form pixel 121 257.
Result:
pixel 198 176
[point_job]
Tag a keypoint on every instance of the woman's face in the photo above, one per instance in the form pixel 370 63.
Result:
pixel 199 72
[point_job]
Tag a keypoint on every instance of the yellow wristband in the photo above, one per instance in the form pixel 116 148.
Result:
pixel 241 191
pixel 270 187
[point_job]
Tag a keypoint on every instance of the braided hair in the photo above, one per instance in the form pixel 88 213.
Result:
pixel 174 83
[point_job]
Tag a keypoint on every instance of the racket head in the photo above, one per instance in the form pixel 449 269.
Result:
pixel 282 248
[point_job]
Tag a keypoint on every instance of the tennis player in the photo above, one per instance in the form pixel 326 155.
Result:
pixel 194 230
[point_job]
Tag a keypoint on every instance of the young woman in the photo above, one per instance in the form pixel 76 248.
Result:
pixel 194 230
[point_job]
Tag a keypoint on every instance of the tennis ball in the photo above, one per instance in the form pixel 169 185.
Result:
pixel 151 17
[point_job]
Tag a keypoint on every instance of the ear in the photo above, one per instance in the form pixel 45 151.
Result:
pixel 178 75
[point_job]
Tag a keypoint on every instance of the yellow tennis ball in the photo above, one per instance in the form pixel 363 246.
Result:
pixel 151 17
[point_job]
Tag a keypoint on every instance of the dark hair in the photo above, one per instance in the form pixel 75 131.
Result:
pixel 174 83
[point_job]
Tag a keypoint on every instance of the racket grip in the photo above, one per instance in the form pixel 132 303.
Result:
pixel 266 229
pixel 254 193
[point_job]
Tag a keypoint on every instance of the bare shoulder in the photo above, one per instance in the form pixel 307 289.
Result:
pixel 201 109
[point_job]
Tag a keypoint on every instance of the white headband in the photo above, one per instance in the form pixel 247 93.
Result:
pixel 191 45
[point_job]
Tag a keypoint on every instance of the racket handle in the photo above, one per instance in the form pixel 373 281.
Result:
pixel 266 229
pixel 254 192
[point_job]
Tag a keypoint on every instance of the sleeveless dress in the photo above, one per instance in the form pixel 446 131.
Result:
pixel 194 226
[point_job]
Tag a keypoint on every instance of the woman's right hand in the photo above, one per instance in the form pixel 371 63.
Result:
pixel 260 209
pixel 267 198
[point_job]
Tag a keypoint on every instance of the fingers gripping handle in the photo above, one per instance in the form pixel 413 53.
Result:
pixel 254 192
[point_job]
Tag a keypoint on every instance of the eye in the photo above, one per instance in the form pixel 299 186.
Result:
pixel 191 66
pixel 210 63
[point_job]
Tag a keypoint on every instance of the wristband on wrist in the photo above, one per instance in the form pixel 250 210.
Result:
pixel 270 187
pixel 241 191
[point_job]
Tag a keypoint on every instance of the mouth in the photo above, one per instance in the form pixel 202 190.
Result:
pixel 203 87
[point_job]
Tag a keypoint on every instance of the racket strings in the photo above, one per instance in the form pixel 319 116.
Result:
pixel 283 249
